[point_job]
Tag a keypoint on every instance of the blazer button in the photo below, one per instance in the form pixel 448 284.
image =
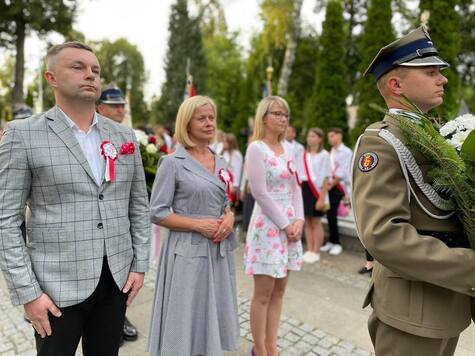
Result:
pixel 100 226
pixel 472 290
pixel 101 196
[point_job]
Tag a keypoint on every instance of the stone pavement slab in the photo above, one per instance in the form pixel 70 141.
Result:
pixel 322 314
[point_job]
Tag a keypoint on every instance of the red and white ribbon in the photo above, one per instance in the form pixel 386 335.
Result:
pixel 110 154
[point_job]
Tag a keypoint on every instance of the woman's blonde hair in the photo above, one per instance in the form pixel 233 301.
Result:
pixel 262 111
pixel 319 132
pixel 184 115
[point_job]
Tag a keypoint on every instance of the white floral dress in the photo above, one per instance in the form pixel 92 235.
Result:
pixel 278 203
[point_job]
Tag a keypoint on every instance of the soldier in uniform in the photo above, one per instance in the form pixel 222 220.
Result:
pixel 111 104
pixel 423 278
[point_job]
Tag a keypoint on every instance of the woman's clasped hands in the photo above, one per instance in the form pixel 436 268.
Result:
pixel 294 230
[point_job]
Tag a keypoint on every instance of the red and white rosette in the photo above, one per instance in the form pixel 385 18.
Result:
pixel 110 154
pixel 291 167
pixel 293 170
pixel 224 176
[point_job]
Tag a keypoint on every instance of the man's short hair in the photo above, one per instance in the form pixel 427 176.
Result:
pixel 55 50
pixel 335 130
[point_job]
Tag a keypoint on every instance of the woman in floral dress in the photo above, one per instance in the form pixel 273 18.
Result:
pixel 273 245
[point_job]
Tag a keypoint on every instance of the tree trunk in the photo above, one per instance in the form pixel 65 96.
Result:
pixel 17 95
pixel 289 57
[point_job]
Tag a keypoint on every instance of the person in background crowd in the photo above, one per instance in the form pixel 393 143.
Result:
pixel 315 179
pixel 368 267
pixel 294 147
pixel 163 133
pixel 245 196
pixel 111 104
pixel 218 145
pixel 195 308
pixel 273 246
pixel 340 158
pixel 233 158
pixel 21 112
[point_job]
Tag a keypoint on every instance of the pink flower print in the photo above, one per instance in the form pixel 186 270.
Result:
pixel 285 175
pixel 273 232
pixel 282 250
pixel 275 246
pixel 286 270
pixel 259 223
pixel 282 187
pixel 250 271
pixel 299 263
pixel 257 250
pixel 290 212
pixel 254 259
pixel 272 162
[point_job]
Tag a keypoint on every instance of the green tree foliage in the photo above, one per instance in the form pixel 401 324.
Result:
pixel 327 107
pixel 354 12
pixel 185 42
pixel 18 17
pixel 444 26
pixel 377 33
pixel 302 79
pixel 123 64
pixel 277 19
pixel 7 70
pixel 224 64
pixel 466 55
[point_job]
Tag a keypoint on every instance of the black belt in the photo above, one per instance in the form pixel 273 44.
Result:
pixel 451 239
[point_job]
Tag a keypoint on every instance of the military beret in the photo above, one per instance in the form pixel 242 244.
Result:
pixel 412 50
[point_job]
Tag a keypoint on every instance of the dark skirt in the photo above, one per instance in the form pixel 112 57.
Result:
pixel 309 202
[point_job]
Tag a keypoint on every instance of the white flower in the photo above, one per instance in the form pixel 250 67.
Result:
pixel 467 121
pixel 142 137
pixel 449 128
pixel 458 139
pixel 151 148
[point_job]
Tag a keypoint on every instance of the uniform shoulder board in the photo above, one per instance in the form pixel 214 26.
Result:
pixel 377 126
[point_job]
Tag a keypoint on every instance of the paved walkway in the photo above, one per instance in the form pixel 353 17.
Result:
pixel 322 314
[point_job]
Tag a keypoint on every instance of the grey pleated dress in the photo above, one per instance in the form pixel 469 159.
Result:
pixel 195 307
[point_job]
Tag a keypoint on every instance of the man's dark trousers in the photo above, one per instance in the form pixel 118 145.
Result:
pixel 98 320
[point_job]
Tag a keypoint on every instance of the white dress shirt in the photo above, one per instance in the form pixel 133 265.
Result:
pixel 235 163
pixel 90 143
pixel 340 158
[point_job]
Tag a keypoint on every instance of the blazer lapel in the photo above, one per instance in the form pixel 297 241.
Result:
pixel 196 168
pixel 58 124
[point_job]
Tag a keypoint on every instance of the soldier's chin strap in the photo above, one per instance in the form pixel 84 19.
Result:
pixel 409 165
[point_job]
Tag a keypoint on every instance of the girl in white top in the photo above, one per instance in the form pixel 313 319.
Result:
pixel 315 177
pixel 233 158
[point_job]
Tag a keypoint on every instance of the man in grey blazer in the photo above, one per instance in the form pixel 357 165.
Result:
pixel 88 235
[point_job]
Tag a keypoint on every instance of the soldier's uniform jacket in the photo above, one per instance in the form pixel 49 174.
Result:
pixel 420 285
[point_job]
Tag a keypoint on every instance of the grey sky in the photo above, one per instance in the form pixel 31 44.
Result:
pixel 145 24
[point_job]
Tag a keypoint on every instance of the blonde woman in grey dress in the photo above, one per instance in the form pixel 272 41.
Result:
pixel 195 308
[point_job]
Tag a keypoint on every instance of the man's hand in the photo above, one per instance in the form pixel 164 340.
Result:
pixel 37 312
pixel 133 284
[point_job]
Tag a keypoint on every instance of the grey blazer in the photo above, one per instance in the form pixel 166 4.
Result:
pixel 74 222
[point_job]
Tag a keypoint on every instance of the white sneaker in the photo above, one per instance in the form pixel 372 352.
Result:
pixel 336 250
pixel 311 257
pixel 315 257
pixel 307 256
pixel 327 247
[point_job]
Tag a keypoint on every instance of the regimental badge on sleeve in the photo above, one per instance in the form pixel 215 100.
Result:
pixel 368 161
